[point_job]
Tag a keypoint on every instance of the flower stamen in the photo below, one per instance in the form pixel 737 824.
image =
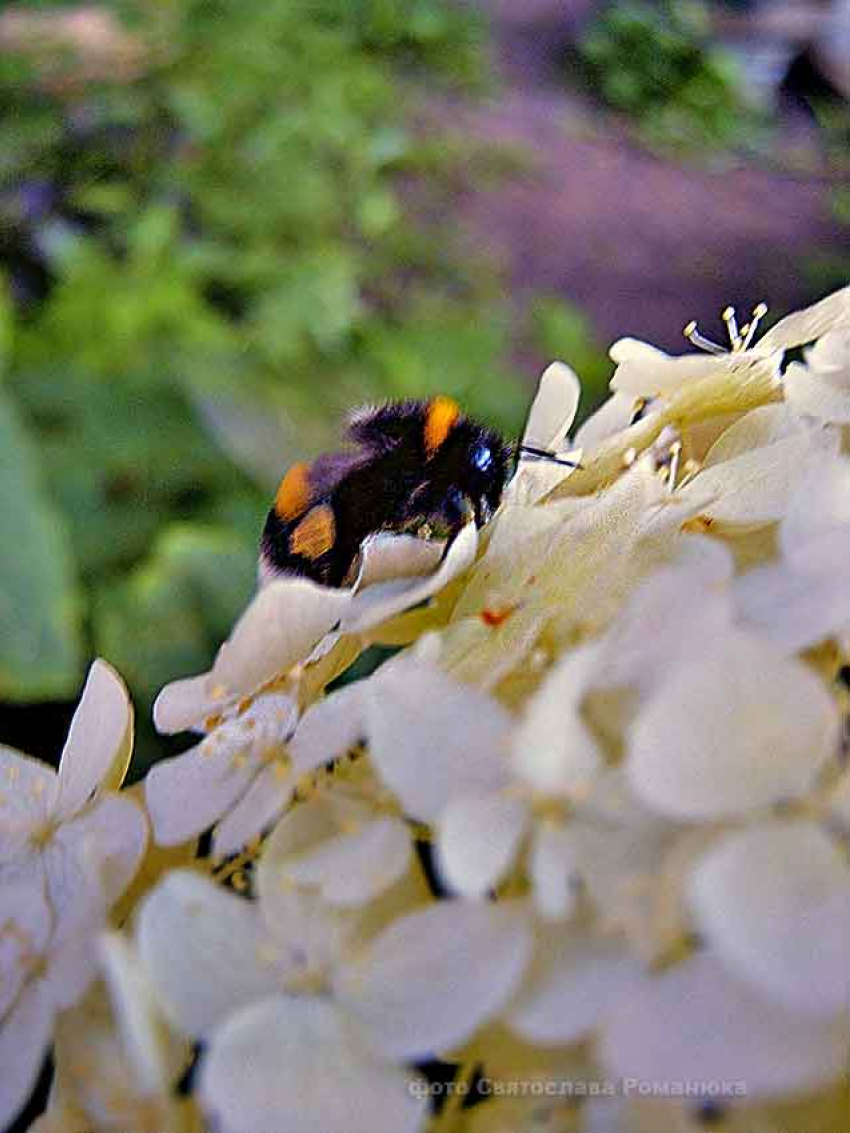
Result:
pixel 700 341
pixel 739 339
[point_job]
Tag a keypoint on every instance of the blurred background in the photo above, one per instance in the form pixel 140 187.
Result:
pixel 222 225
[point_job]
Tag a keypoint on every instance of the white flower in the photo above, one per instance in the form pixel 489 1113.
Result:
pixel 750 472
pixel 550 417
pixel 237 779
pixel 735 728
pixel 574 980
pixel 342 847
pixel 644 371
pixel 48 958
pixel 116 1063
pixel 63 829
pixel 304 1023
pixel 821 387
pixel 803 599
pixel 694 1023
pixel 773 901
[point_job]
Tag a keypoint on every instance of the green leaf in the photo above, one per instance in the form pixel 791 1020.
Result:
pixel 40 651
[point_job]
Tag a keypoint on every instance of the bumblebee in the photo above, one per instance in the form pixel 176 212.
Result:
pixel 414 466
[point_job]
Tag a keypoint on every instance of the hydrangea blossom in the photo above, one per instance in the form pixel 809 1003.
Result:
pixel 69 847
pixel 587 829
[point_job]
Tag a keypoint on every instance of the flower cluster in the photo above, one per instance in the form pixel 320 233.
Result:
pixel 584 837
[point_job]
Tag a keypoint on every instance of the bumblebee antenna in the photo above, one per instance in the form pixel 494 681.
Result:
pixel 544 454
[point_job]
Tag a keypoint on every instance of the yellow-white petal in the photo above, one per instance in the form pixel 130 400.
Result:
pixel 818 511
pixel 205 951
pixel 737 727
pixel 754 487
pixel 106 843
pixel 329 728
pixel 643 371
pixel 135 1014
pixel 477 840
pixel 553 870
pixel 24 1042
pixel 573 982
pixel 794 609
pixel 552 748
pixel 773 901
pixel 378 603
pixel 553 409
pixel 432 739
pixel 279 628
pixel 188 793
pixel 824 395
pixel 695 1023
pixel 810 323
pixel 266 797
pixel 612 416
pixel 295 1065
pixel 351 869
pixel 29 789
pixel 97 739
pixel 427 983
pixel 386 556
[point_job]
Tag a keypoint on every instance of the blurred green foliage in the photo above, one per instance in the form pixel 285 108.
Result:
pixel 210 260
pixel 655 62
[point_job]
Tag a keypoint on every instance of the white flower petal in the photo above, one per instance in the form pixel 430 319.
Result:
pixel 477 839
pixel 810 323
pixel 793 609
pixel 694 1023
pixel 266 798
pixel 760 427
pixel 754 488
pixel 135 1013
pixel 99 737
pixel 643 371
pixel 329 728
pixel 24 1043
pixel 28 920
pixel 662 619
pixel 386 556
pixel 820 394
pixel 612 416
pixel 29 790
pixel 553 409
pixel 427 982
pixel 774 903
pixel 553 870
pixel 830 355
pixel 108 841
pixel 280 627
pixel 294 1066
pixel 378 603
pixel 574 981
pixel 552 748
pixel 738 727
pixel 353 868
pixel 432 739
pixel 818 512
pixel 188 793
pixel 203 949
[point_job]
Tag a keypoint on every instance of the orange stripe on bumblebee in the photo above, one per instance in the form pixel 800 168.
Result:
pixel 293 494
pixel 315 534
pixel 440 418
